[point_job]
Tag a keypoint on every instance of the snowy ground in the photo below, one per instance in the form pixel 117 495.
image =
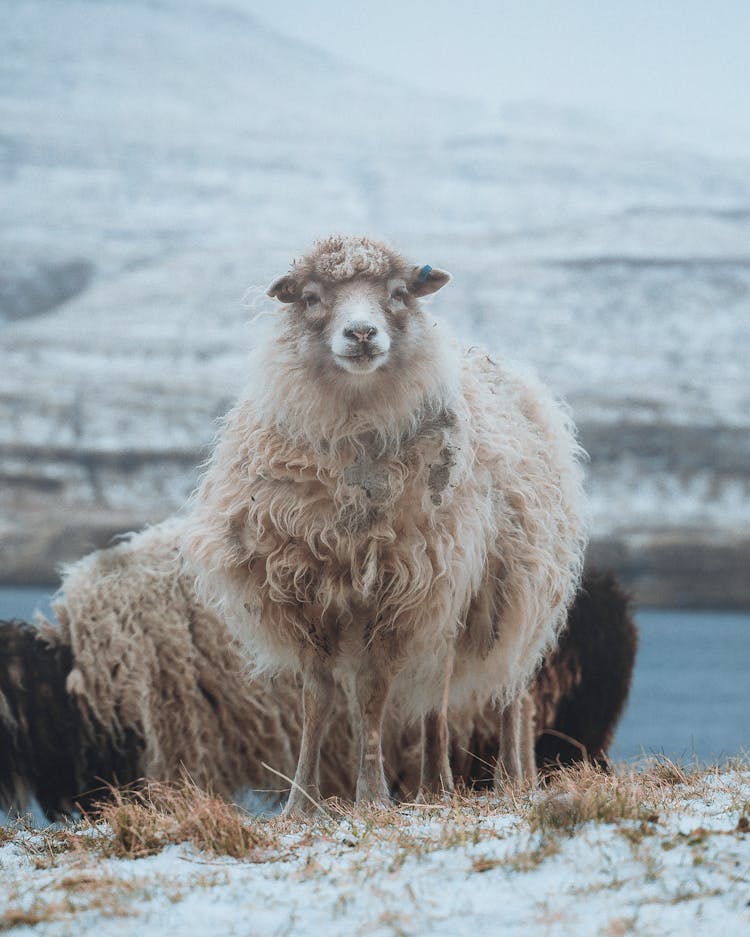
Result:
pixel 660 857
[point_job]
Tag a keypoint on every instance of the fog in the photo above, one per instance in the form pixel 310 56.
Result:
pixel 673 70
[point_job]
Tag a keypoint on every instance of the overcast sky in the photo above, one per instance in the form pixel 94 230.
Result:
pixel 686 62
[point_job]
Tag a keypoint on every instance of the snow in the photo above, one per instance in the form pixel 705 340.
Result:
pixel 157 159
pixel 436 870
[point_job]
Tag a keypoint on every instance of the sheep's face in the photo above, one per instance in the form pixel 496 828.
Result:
pixel 360 325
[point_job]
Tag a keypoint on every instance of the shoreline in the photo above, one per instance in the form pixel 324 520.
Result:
pixel 666 569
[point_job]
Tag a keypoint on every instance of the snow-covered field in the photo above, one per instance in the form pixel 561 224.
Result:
pixel 157 159
pixel 661 855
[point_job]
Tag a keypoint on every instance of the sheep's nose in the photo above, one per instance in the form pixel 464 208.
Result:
pixel 361 331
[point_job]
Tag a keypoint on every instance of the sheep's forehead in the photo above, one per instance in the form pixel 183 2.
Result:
pixel 343 258
pixel 363 287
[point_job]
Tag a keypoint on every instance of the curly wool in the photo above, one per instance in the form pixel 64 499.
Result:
pixel 444 513
pixel 148 657
pixel 163 689
pixel 340 258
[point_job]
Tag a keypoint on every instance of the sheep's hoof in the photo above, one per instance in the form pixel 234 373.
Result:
pixel 379 803
pixel 301 812
pixel 375 795
pixel 299 807
pixel 430 794
pixel 436 786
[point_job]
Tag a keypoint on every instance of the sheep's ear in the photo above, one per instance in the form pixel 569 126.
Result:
pixel 426 280
pixel 285 289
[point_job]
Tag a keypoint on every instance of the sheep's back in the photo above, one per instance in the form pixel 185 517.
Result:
pixel 526 441
pixel 151 661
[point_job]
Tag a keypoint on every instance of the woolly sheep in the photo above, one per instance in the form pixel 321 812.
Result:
pixel 140 680
pixel 577 696
pixel 387 512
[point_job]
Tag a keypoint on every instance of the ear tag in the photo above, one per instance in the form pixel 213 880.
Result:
pixel 424 273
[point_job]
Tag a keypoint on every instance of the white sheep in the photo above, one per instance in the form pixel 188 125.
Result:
pixel 386 511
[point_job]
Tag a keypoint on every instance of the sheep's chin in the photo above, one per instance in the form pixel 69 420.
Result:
pixel 361 365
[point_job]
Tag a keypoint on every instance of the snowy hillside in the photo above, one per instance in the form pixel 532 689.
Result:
pixel 159 158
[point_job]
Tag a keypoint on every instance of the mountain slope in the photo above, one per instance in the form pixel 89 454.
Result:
pixel 157 158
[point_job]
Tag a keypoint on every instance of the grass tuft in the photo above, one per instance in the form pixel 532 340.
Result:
pixel 133 823
pixel 30 917
pixel 142 822
pixel 582 794
pixel 665 771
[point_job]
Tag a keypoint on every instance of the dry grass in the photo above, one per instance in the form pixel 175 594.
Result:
pixel 141 823
pixel 130 824
pixel 75 893
pixel 36 914
pixel 133 823
pixel 530 858
pixel 583 794
pixel 515 830
pixel 89 890
pixel 621 926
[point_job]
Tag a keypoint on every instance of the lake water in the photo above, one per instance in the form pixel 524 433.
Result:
pixel 691 690
pixel 691 687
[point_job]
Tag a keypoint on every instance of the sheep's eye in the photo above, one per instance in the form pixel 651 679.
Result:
pixel 400 293
pixel 311 299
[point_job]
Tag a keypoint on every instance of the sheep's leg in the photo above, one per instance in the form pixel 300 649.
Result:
pixel 508 766
pixel 372 686
pixel 461 757
pixel 516 751
pixel 317 702
pixel 437 777
pixel 527 739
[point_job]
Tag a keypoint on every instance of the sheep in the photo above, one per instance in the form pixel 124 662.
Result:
pixel 141 656
pixel 138 679
pixel 578 695
pixel 387 512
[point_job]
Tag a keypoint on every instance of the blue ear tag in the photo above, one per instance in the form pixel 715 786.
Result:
pixel 424 273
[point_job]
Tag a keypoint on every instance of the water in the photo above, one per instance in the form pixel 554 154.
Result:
pixel 24 601
pixel 691 690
